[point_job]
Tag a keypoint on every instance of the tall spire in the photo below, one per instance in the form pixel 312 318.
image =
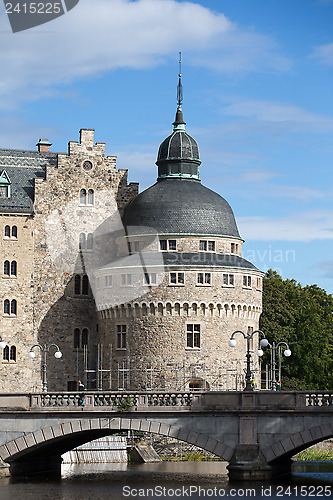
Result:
pixel 180 86
pixel 179 123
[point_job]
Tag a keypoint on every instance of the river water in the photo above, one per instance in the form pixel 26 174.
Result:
pixel 195 480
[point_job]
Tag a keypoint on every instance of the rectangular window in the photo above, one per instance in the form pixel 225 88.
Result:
pixel 203 246
pixel 247 281
pixel 126 279
pixel 228 279
pixel 193 336
pixel 163 245
pixel 177 278
pixel 150 279
pixel 234 248
pixel 4 191
pixel 204 278
pixel 108 280
pixel 168 245
pixel 121 336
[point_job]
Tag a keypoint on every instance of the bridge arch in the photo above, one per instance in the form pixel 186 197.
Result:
pixel 55 440
pixel 289 446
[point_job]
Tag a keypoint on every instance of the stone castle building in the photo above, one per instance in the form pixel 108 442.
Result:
pixel 138 291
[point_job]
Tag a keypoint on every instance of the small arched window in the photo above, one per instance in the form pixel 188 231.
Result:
pixel 13 268
pixel 6 268
pixel 6 353
pixel 77 284
pixel 6 307
pixel 13 307
pixel 85 285
pixel 90 200
pixel 82 241
pixel 84 337
pixel 89 241
pixel 7 231
pixel 14 232
pixel 12 353
pixel 76 338
pixel 83 196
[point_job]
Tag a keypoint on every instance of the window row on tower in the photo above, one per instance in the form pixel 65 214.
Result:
pixel 173 245
pixel 176 278
pixel 193 340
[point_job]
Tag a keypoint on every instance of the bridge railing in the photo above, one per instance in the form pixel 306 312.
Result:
pixel 155 401
pixel 114 401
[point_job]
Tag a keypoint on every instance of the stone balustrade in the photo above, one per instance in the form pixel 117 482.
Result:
pixel 155 401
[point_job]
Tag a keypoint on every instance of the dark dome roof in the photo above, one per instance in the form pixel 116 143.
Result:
pixel 182 206
pixel 178 155
pixel 179 145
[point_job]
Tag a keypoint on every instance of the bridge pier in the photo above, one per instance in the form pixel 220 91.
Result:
pixel 246 464
pixel 43 465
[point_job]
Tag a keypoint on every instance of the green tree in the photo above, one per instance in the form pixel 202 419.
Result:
pixel 302 317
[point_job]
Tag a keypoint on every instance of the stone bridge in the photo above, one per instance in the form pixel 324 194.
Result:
pixel 256 432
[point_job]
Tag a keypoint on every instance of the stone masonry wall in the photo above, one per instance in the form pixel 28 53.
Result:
pixel 156 324
pixel 17 374
pixel 61 215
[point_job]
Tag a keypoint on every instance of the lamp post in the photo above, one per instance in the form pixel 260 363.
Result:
pixel 45 349
pixel 274 347
pixel 248 336
pixel 2 343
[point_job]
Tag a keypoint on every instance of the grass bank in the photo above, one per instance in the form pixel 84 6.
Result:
pixel 308 455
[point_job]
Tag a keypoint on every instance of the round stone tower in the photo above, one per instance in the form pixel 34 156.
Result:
pixel 178 287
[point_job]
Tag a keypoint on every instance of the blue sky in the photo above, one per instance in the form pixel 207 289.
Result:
pixel 257 78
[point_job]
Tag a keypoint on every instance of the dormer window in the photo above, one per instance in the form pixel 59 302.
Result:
pixel 5 185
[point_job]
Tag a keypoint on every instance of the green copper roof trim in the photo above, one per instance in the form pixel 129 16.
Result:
pixel 179 175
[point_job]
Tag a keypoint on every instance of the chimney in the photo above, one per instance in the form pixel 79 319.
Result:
pixel 43 146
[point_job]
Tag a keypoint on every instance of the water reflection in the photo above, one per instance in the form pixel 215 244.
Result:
pixel 195 480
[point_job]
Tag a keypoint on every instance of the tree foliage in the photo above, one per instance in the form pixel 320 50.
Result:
pixel 302 317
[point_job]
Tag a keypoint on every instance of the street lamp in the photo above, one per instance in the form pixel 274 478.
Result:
pixel 273 347
pixel 45 349
pixel 2 343
pixel 248 336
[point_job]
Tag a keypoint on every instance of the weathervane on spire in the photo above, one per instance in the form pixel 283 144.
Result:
pixel 180 86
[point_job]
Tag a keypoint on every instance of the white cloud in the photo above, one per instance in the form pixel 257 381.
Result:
pixel 293 117
pixel 324 53
pixel 105 35
pixel 306 226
